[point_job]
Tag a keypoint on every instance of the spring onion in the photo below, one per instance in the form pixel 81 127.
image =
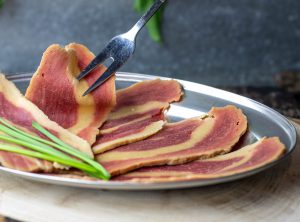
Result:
pixel 35 139
pixel 63 158
pixel 15 149
pixel 70 150
pixel 45 149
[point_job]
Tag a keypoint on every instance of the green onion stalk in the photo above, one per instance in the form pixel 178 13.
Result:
pixel 53 150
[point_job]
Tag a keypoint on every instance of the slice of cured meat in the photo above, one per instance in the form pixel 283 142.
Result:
pixel 56 91
pixel 24 163
pixel 131 132
pixel 247 158
pixel 19 111
pixel 138 113
pixel 180 142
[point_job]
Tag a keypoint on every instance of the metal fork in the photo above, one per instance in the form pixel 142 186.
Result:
pixel 119 49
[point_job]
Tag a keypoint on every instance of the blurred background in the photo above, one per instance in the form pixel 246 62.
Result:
pixel 243 46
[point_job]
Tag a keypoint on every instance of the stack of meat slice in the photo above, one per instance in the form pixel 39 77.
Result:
pixel 179 151
pixel 180 142
pixel 199 139
pixel 54 100
pixel 138 114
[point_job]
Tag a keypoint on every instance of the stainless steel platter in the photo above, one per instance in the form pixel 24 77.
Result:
pixel 198 99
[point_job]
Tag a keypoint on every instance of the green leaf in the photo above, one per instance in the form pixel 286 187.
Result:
pixel 154 25
pixel 140 5
pixel 154 28
pixel 1 3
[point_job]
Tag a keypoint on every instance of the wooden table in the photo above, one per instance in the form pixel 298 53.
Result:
pixel 273 195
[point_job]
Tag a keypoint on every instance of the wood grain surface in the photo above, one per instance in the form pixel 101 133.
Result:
pixel 273 195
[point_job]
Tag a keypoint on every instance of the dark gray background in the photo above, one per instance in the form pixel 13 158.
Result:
pixel 215 42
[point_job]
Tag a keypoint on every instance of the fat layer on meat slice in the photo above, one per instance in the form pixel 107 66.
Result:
pixel 138 113
pixel 180 142
pixel 250 157
pixel 19 111
pixel 56 91
pixel 129 133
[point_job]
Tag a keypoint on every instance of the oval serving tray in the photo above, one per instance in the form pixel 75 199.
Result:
pixel 198 99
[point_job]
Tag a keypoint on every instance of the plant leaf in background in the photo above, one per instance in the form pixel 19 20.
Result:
pixel 154 25
pixel 1 3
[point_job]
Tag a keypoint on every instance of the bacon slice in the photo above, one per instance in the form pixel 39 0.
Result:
pixel 138 113
pixel 180 142
pixel 16 109
pixel 56 91
pixel 247 158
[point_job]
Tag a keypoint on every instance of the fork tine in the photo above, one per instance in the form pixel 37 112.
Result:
pixel 105 76
pixel 93 64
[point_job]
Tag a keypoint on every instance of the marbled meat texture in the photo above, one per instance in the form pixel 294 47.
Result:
pixel 245 159
pixel 180 142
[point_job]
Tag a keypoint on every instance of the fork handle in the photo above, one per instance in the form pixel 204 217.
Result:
pixel 145 18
